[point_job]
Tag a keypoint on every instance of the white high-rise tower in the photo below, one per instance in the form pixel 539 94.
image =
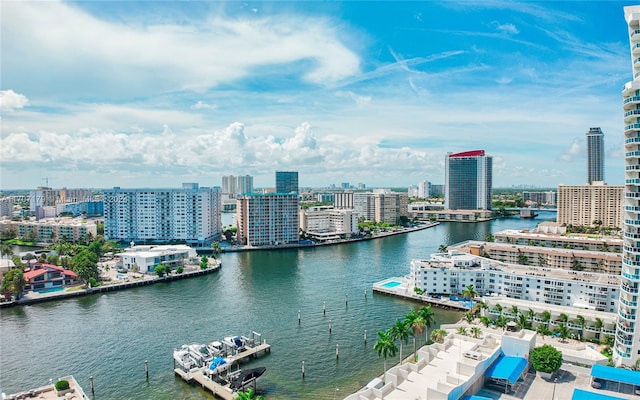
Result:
pixel 627 345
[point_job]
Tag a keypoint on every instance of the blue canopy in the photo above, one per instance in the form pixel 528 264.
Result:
pixel 507 368
pixel 216 362
pixel 475 398
pixel 616 374
pixel 579 394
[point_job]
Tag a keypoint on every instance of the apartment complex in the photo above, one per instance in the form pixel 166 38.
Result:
pixel 576 241
pixel 190 214
pixel 541 198
pixel 584 204
pixel 267 219
pixel 145 258
pixel 328 223
pixel 595 155
pixel 48 197
pixel 468 181
pixel 381 205
pixel 627 346
pixel 549 257
pixel 234 185
pixel 287 182
pixel 451 273
pixel 51 230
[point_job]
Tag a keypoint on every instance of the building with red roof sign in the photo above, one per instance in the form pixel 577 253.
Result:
pixel 468 181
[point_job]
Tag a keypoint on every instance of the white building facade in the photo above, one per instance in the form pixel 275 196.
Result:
pixel 627 345
pixel 145 258
pixel 268 219
pixel 326 222
pixel 190 214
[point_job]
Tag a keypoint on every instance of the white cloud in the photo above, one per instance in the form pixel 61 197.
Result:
pixel 574 149
pixel 10 100
pixel 87 54
pixel 509 29
pixel 359 100
pixel 200 105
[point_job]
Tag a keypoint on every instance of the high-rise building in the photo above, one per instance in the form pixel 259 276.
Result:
pixel 468 181
pixel 595 155
pixel 627 339
pixel 424 189
pixel 235 185
pixel 190 214
pixel 287 182
pixel 584 205
pixel 268 219
pixel 542 198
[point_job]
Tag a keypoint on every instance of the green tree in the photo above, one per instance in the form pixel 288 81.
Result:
pixel 442 248
pixel 462 330
pixel 485 321
pixel 429 319
pixel 204 262
pixel 489 237
pixel 13 283
pixel 546 317
pixel 84 265
pixel 438 335
pixel 400 331
pixel 522 322
pixel 581 321
pixel 546 358
pixel 160 270
pixel 598 325
pixel 543 330
pixel 564 318
pixel 470 292
pixel 215 249
pixel 6 250
pixel 180 269
pixel 17 261
pixel 385 347
pixel 415 321
pixel 476 332
pixel 515 311
pixel 563 331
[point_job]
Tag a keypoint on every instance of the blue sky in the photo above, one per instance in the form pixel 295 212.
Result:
pixel 152 94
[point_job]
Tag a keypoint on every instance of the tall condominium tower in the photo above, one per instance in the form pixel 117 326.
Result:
pixel 627 345
pixel 190 214
pixel 595 155
pixel 468 180
pixel 287 182
pixel 235 185
pixel 268 219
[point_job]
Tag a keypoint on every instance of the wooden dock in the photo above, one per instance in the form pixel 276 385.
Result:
pixel 195 375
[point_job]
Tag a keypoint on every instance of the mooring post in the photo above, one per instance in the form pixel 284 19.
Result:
pixel 346 299
pixel 324 308
pixel 146 368
pixel 298 317
pixel 337 351
pixel 302 369
pixel 329 326
pixel 92 390
pixel 365 336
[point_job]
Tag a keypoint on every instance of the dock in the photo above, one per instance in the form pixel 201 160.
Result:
pixel 195 375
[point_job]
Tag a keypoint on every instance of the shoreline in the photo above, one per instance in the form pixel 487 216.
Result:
pixel 238 249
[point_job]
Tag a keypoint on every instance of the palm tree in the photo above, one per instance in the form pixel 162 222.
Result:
pixel 563 331
pixel 485 321
pixel 469 292
pixel 546 317
pixel 462 331
pixel 438 335
pixel 498 308
pixel 515 311
pixel 400 331
pixel 385 347
pixel 429 319
pixel 215 249
pixel 598 325
pixel 531 314
pixel 417 323
pixel 501 322
pixel 564 318
pixel 442 248
pixel 581 321
pixel 469 317
pixel 522 322
pixel 6 250
pixel 476 332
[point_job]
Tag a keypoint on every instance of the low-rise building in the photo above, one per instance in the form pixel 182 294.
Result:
pixel 145 258
pixel 549 257
pixel 327 223
pixel 42 277
pixel 51 230
pixel 576 241
pixel 436 212
pixel 452 273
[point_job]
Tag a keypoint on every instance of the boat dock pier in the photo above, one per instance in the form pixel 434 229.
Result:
pixel 223 391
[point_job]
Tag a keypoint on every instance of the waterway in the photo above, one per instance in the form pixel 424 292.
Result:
pixel 109 336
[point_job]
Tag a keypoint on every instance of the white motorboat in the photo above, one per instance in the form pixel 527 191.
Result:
pixel 183 358
pixel 235 344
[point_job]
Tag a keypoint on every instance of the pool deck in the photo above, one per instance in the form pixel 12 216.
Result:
pixel 402 291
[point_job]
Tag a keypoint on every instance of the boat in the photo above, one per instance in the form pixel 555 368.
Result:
pixel 235 344
pixel 218 365
pixel 183 358
pixel 244 377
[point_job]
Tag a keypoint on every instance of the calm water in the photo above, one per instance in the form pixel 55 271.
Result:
pixel 110 335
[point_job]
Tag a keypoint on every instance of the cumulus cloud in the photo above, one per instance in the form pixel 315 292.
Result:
pixel 10 100
pixel 574 149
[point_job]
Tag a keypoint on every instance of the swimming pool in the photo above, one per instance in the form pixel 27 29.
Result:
pixel 51 290
pixel 391 284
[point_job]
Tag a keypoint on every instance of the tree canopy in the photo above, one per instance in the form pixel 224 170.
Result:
pixel 546 358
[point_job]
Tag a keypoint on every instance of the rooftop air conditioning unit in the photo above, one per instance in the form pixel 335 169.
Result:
pixel 474 355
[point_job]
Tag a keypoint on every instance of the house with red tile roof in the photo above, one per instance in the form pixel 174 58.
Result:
pixel 48 276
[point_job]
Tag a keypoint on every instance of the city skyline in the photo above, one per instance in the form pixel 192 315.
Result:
pixel 152 94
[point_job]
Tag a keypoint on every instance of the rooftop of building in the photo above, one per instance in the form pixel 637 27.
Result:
pixel 574 237
pixel 445 261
